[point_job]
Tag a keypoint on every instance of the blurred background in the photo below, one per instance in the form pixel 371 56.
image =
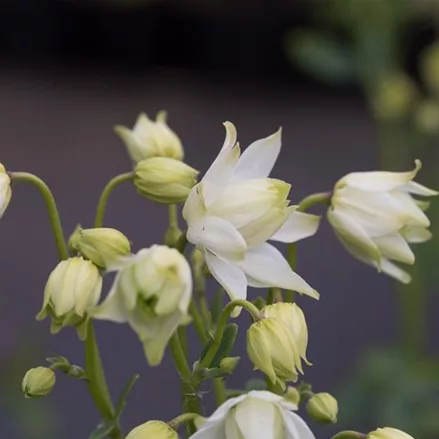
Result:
pixel 355 85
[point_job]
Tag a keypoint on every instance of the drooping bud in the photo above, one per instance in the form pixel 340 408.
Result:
pixel 38 382
pixel 73 287
pixel 388 433
pixel 103 246
pixel 5 190
pixel 153 430
pixel 323 408
pixel 293 395
pixel 164 180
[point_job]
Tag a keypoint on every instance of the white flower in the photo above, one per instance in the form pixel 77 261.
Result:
pixel 5 190
pixel 151 292
pixel 257 415
pixel 375 216
pixel 150 139
pixel 235 209
pixel 388 433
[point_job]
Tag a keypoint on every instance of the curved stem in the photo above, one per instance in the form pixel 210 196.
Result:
pixel 349 434
pixel 185 417
pixel 100 211
pixel 210 354
pixel 52 209
pixel 312 200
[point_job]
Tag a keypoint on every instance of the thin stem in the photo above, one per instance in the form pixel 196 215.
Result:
pixel 173 216
pixel 210 354
pixel 181 242
pixel 312 200
pixel 52 209
pixel 185 417
pixel 100 211
pixel 220 391
pixel 349 434
pixel 198 321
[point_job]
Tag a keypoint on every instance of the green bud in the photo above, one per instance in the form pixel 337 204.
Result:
pixel 293 395
pixel 323 408
pixel 103 246
pixel 427 117
pixel 229 364
pixel 153 430
pixel 38 382
pixel 164 180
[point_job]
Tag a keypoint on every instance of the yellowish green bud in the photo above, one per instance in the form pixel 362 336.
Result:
pixel 293 395
pixel 153 430
pixel 38 382
pixel 427 117
pixel 429 67
pixel 229 364
pixel 103 246
pixel 322 407
pixel 150 139
pixel 5 190
pixel 73 287
pixel 164 180
pixel 388 433
pixel 273 350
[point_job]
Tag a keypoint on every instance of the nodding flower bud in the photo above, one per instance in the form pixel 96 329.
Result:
pixel 323 408
pixel 153 430
pixel 5 190
pixel 38 382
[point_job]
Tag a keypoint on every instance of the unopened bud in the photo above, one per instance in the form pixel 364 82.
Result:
pixel 164 180
pixel 38 382
pixel 323 408
pixel 229 364
pixel 293 395
pixel 5 190
pixel 388 433
pixel 153 430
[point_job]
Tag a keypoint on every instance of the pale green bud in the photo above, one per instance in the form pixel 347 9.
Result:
pixel 164 180
pixel 38 382
pixel 322 407
pixel 388 433
pixel 103 246
pixel 150 139
pixel 427 117
pixel 5 190
pixel 293 395
pixel 73 287
pixel 153 430
pixel 273 350
pixel 429 67
pixel 229 364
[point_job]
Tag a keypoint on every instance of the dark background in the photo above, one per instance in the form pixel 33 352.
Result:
pixel 70 71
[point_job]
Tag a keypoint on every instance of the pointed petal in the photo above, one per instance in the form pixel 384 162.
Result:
pixel 353 237
pixel 296 427
pixel 394 246
pixel 194 208
pixel 414 214
pixel 298 226
pixel 416 235
pixel 221 170
pixel 267 265
pixel 394 271
pixel 379 180
pixel 418 189
pixel 258 159
pixel 219 236
pixel 210 431
pixel 228 275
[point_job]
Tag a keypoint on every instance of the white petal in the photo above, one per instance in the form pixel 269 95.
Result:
pixel 112 308
pixel 414 214
pixel 395 247
pixel 221 170
pixel 418 189
pixel 258 159
pixel 296 427
pixel 219 236
pixel 265 396
pixel 194 209
pixel 379 180
pixel 221 412
pixel 228 275
pixel 416 235
pixel 298 226
pixel 267 265
pixel 394 271
pixel 353 237
pixel 210 431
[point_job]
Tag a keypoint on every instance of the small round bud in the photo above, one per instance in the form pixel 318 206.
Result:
pixel 5 190
pixel 164 180
pixel 323 408
pixel 153 430
pixel 427 117
pixel 388 433
pixel 293 395
pixel 229 364
pixel 103 246
pixel 38 382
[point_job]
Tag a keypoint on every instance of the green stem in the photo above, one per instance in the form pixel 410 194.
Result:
pixel 198 321
pixel 210 354
pixel 349 434
pixel 312 200
pixel 181 242
pixel 220 391
pixel 173 216
pixel 274 388
pixel 100 211
pixel 292 260
pixel 185 417
pixel 52 210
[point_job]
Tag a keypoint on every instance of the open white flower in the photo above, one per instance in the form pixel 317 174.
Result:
pixel 151 292
pixel 235 209
pixel 376 217
pixel 5 190
pixel 257 415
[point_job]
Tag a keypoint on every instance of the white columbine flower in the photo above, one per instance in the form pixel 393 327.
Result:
pixel 5 190
pixel 375 216
pixel 236 208
pixel 151 292
pixel 257 415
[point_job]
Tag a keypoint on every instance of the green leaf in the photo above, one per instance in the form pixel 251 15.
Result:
pixel 121 402
pixel 227 343
pixel 217 306
pixel 214 372
pixel 102 431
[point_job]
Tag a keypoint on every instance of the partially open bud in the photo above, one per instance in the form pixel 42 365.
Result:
pixel 229 364
pixel 153 430
pixel 388 433
pixel 38 382
pixel 293 395
pixel 103 246
pixel 323 408
pixel 272 349
pixel 73 287
pixel 5 190
pixel 150 139
pixel 164 180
